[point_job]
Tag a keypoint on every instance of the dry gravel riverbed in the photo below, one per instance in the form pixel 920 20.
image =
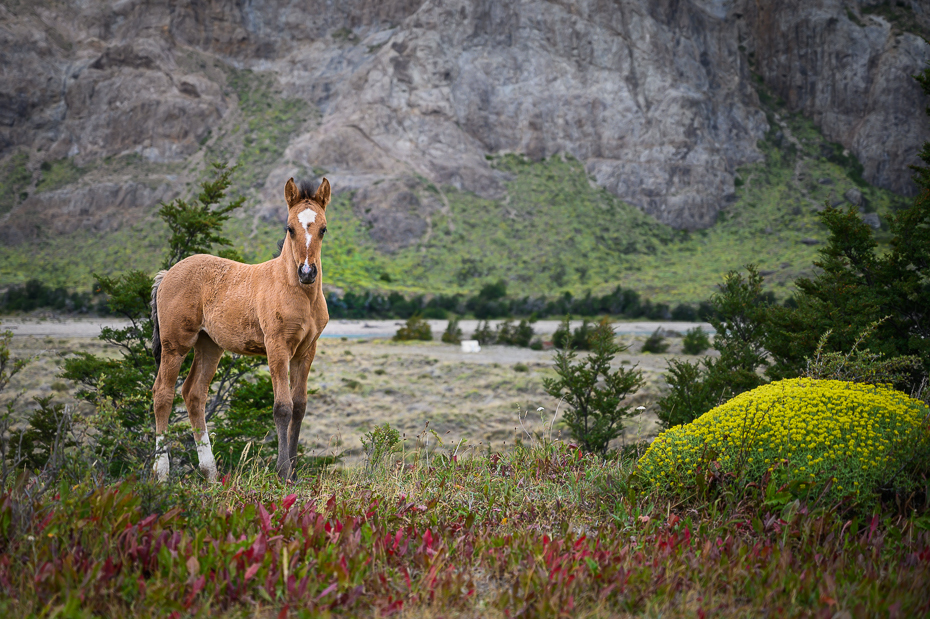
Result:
pixel 363 379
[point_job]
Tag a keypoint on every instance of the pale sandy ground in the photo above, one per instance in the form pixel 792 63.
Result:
pixel 364 380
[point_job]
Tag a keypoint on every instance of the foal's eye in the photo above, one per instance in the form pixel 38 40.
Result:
pixel 322 231
pixel 290 231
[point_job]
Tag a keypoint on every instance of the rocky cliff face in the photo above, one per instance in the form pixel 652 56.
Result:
pixel 657 98
pixel 845 64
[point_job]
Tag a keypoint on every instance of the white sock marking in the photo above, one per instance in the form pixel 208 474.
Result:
pixel 205 455
pixel 162 464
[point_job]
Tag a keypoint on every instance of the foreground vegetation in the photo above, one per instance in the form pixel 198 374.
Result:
pixel 541 532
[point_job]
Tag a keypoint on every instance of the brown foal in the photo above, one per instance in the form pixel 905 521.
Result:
pixel 274 309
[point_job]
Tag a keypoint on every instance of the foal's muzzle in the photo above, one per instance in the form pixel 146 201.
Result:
pixel 306 274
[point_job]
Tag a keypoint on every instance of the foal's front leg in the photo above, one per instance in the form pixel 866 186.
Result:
pixel 278 361
pixel 300 369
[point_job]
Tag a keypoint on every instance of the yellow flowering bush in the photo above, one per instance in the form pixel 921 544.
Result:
pixel 839 438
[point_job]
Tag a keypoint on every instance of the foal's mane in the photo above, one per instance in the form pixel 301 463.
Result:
pixel 305 191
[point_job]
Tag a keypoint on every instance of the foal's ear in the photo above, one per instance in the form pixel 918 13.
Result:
pixel 291 193
pixel 322 194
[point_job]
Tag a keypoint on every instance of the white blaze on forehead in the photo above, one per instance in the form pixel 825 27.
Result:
pixel 307 217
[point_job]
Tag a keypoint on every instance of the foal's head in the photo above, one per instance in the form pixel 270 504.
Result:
pixel 306 225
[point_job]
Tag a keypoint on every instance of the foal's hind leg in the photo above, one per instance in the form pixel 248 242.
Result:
pixel 196 387
pixel 163 394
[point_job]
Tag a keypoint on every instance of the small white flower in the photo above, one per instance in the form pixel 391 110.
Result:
pixel 541 408
pixel 640 408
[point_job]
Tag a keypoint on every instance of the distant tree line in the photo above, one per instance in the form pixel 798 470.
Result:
pixel 492 301
pixel 35 295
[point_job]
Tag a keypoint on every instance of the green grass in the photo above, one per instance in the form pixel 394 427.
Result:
pixel 553 230
pixel 268 122
pixel 58 263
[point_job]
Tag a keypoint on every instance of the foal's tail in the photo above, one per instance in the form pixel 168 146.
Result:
pixel 156 338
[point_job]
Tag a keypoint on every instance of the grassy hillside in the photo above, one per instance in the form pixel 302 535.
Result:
pixel 553 230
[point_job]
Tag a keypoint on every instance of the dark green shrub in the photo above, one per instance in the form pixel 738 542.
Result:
pixel 595 396
pixel 523 334
pixel 690 394
pixel 415 329
pixel 504 333
pixel 452 334
pixel 249 419
pixel 519 335
pixel 695 341
pixel 858 283
pixel 48 429
pixel 582 336
pixel 435 313
pixel 562 338
pixel 580 339
pixel 484 334
pixel 655 343
pixel 684 312
pixel 34 295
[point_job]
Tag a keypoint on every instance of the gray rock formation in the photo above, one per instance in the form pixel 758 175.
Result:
pixel 656 100
pixel 847 70
pixel 655 97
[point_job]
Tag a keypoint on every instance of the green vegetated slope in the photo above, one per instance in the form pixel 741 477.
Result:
pixel 552 230
pixel 555 230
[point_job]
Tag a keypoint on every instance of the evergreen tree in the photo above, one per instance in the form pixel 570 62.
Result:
pixel 595 395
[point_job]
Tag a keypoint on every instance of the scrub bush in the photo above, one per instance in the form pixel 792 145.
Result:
pixel 579 339
pixel 597 397
pixel 415 329
pixel 655 343
pixel 695 341
pixel 519 335
pixel 484 334
pixel 453 333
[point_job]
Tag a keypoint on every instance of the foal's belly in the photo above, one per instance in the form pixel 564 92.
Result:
pixel 240 345
pixel 237 337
